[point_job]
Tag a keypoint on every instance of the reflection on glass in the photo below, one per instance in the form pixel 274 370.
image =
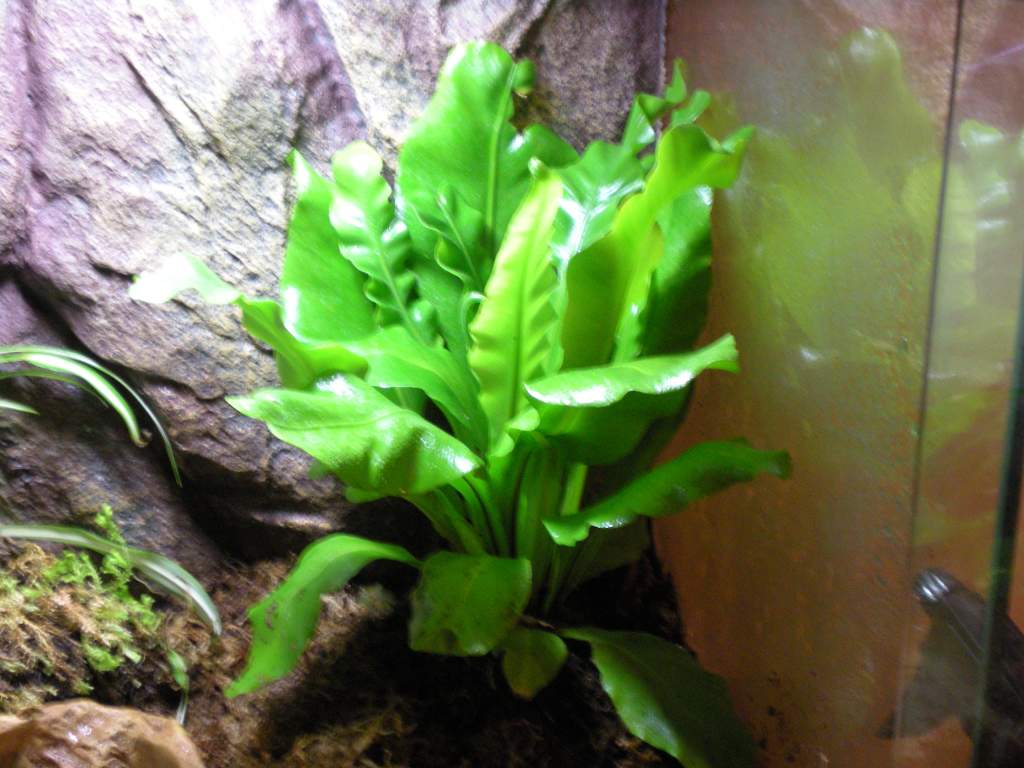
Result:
pixel 947 680
pixel 976 304
pixel 845 607
pixel 798 594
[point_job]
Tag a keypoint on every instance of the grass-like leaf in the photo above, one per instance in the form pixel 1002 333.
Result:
pixel 13 405
pixel 179 673
pixel 87 374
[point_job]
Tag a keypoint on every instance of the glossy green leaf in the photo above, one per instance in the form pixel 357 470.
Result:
pixel 665 698
pixel 608 284
pixel 370 237
pixel 647 109
pixel 686 158
pixel 321 292
pixel 607 384
pixel 603 436
pixel 594 187
pixel 527 420
pixel 445 293
pixel 397 360
pixel 693 109
pixel 153 569
pixel 178 274
pixel 299 363
pixel 461 230
pixel 448 520
pixel 599 415
pixel 365 439
pixel 514 331
pixel 607 174
pixel 698 472
pixel 677 304
pixel 535 487
pixel 548 147
pixel 605 550
pixel 452 281
pixel 531 660
pixel 465 605
pixel 464 140
pixel 283 622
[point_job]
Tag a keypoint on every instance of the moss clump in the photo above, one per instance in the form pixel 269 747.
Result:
pixel 72 625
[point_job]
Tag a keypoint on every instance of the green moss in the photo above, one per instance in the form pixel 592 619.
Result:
pixel 74 619
pixel 100 659
pixel 104 520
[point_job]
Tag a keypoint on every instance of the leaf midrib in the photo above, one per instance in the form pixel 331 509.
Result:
pixel 320 424
pixel 377 241
pixel 478 284
pixel 518 359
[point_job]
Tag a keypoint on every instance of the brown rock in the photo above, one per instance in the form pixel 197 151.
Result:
pixel 83 734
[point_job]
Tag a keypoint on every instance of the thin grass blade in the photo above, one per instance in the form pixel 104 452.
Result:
pixel 93 370
pixel 12 405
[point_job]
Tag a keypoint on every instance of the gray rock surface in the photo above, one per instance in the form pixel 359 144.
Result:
pixel 137 129
pixel 72 458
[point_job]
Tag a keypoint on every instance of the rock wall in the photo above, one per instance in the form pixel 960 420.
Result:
pixel 132 130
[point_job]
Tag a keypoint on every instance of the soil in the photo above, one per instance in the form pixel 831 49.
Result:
pixel 362 699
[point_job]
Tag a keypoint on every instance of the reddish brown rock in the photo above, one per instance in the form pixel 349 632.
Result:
pixel 84 734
